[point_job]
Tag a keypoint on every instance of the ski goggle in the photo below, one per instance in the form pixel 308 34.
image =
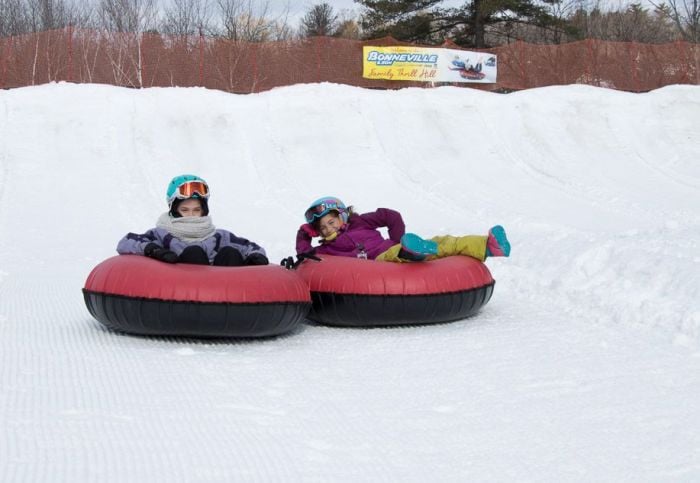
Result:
pixel 321 210
pixel 191 188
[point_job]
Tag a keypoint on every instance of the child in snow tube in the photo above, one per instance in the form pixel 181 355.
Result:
pixel 185 233
pixel 346 233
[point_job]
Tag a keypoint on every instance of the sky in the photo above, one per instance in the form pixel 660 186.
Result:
pixel 297 10
pixel 348 8
pixel 583 366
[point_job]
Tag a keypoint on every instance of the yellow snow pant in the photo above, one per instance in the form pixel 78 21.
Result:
pixel 471 245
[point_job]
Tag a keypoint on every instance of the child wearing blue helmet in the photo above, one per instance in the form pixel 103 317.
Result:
pixel 346 233
pixel 185 233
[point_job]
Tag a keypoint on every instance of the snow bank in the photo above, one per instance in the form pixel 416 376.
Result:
pixel 579 367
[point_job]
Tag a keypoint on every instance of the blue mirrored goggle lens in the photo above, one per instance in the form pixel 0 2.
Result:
pixel 319 211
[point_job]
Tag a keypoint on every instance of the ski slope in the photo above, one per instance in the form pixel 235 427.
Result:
pixel 584 366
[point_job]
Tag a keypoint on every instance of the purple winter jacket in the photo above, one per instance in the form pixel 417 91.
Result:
pixel 134 243
pixel 360 232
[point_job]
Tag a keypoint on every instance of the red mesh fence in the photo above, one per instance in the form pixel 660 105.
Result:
pixel 150 60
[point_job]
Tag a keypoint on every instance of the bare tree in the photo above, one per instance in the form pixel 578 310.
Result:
pixel 13 18
pixel 244 20
pixel 135 16
pixel 40 15
pixel 319 21
pixel 45 14
pixel 186 17
pixel 637 24
pixel 125 22
pixel 348 29
pixel 280 28
pixel 633 23
pixel 686 16
pixel 84 14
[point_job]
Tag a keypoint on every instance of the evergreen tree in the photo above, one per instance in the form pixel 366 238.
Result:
pixel 428 21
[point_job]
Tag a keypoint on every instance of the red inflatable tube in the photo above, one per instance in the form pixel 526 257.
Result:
pixel 139 295
pixel 363 293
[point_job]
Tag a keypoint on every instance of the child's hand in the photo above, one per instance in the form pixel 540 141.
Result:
pixel 164 255
pixel 256 259
pixel 309 230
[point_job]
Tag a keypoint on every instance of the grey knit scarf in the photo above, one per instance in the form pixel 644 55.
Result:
pixel 189 229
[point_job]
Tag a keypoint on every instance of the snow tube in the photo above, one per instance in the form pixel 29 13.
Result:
pixel 363 293
pixel 472 74
pixel 139 295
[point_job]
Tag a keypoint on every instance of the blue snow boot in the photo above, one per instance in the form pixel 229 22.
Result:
pixel 415 248
pixel 497 244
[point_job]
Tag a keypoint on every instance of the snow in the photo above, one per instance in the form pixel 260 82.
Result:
pixel 584 366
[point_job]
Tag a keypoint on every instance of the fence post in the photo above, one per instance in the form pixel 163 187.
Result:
pixel 696 59
pixel 201 58
pixel 142 63
pixel 70 53
pixel 633 67
pixel 254 61
pixel 589 62
pixel 318 58
pixel 3 62
pixel 523 78
pixel 683 59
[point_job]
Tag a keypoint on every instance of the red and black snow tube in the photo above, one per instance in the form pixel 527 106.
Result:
pixel 138 295
pixel 364 293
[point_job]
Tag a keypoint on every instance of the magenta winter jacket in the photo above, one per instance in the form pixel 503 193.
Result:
pixel 359 233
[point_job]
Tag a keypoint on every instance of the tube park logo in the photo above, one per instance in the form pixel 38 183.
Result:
pixel 400 63
pixel 427 64
pixel 388 59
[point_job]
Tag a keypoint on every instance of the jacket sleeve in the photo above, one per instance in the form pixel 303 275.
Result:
pixel 134 243
pixel 303 242
pixel 391 219
pixel 243 245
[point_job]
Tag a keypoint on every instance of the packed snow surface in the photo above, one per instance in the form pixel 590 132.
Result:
pixel 585 364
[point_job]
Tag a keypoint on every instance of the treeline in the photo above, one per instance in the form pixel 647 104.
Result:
pixel 477 23
pixel 246 20
pixel 484 23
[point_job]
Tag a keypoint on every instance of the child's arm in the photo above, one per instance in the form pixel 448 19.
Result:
pixel 253 254
pixel 150 244
pixel 304 236
pixel 135 244
pixel 389 218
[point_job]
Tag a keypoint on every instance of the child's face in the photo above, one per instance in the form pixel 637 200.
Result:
pixel 329 224
pixel 190 207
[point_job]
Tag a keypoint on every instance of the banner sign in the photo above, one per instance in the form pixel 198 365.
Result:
pixel 424 64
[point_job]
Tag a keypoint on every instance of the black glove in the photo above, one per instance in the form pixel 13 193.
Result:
pixel 290 264
pixel 256 259
pixel 153 250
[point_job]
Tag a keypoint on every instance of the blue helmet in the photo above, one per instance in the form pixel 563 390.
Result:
pixel 322 206
pixel 187 186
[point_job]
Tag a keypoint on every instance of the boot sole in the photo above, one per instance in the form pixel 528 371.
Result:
pixel 416 245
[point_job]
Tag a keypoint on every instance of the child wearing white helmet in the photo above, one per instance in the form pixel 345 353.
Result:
pixel 185 233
